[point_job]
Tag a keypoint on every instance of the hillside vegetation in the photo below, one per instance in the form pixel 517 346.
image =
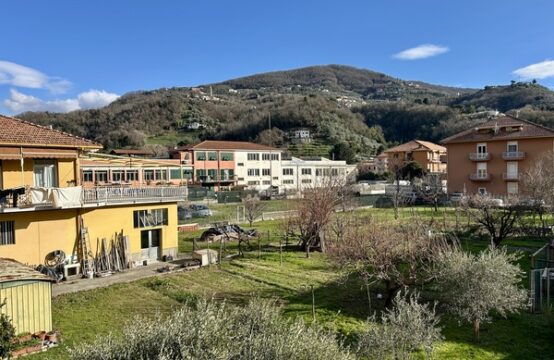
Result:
pixel 344 107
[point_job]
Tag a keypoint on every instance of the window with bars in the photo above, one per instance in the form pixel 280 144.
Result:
pixel 266 172
pixel 288 171
pixel 7 233
pixel 147 218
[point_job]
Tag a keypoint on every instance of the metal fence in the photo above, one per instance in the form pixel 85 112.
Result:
pixel 117 194
pixel 542 289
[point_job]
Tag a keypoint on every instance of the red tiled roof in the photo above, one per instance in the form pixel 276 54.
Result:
pixel 20 132
pixel 501 128
pixel 227 145
pixel 416 145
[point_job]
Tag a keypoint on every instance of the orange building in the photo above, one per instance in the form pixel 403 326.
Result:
pixel 490 158
pixel 431 157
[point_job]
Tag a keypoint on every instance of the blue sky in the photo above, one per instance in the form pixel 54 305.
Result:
pixel 65 55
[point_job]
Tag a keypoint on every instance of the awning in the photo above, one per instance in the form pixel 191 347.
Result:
pixel 14 153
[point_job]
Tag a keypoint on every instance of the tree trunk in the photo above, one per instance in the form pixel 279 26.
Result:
pixel 476 330
pixel 391 292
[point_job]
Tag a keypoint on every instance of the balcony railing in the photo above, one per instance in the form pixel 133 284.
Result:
pixel 510 176
pixel 215 179
pixel 76 197
pixel 480 177
pixel 513 155
pixel 479 156
pixel 118 195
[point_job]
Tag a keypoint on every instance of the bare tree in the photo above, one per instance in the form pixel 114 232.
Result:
pixel 253 208
pixel 397 255
pixel 499 219
pixel 538 185
pixel 314 212
pixel 431 189
pixel 473 285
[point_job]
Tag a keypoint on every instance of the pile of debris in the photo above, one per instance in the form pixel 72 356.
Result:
pixel 113 255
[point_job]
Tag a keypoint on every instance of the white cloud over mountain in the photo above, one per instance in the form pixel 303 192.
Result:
pixel 19 102
pixel 541 70
pixel 421 52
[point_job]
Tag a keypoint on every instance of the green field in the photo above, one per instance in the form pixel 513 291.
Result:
pixel 341 303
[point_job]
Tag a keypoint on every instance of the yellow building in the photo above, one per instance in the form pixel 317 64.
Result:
pixel 42 202
pixel 27 295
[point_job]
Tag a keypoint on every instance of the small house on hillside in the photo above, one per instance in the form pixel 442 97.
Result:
pixel 28 297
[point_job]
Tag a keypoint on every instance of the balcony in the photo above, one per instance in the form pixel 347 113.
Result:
pixel 479 156
pixel 480 177
pixel 513 155
pixel 28 199
pixel 216 179
pixel 510 176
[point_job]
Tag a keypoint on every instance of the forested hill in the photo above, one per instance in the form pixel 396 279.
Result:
pixel 349 111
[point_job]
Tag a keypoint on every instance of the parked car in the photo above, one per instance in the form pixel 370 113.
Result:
pixel 198 210
pixel 183 213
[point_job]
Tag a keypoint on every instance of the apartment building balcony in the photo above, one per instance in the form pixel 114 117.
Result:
pixel 217 179
pixel 510 177
pixel 513 155
pixel 480 177
pixel 479 156
pixel 29 199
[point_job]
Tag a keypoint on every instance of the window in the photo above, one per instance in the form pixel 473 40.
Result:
pixel 146 218
pixel 45 173
pixel 226 156
pixel 240 164
pixel 276 178
pixel 148 175
pixel 288 182
pixel 288 171
pixel 201 155
pixel 253 183
pixel 187 174
pixel 212 155
pixel 161 174
pixel 482 148
pixel 266 172
pixel 253 156
pixel 7 233
pixel 275 157
pixel 118 175
pixel 306 171
pixel 200 174
pixel 132 175
pixel 334 172
pixel 512 188
pixel 306 181
pixel 482 191
pixel 101 176
pixel 267 182
pixel 227 174
pixel 266 156
pixel 512 146
pixel 318 172
pixel 87 176
pixel 175 174
pixel 253 172
pixel 482 170
pixel 322 172
pixel 212 174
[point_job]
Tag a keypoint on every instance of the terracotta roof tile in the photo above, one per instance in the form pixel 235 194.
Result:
pixel 20 132
pixel 501 128
pixel 227 145
pixel 416 145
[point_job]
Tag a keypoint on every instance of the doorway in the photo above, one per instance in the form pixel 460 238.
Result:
pixel 150 243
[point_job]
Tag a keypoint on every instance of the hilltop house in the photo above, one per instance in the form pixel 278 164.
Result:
pixel 491 157
pixel 44 207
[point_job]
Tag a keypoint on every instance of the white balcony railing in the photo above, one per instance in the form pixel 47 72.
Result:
pixel 480 177
pixel 479 156
pixel 117 195
pixel 513 155
pixel 510 176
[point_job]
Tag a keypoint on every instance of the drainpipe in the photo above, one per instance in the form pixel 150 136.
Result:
pixel 22 163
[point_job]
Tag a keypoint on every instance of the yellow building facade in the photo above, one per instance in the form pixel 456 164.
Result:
pixel 43 206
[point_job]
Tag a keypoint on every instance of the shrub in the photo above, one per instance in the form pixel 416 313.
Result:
pixel 7 332
pixel 407 327
pixel 217 331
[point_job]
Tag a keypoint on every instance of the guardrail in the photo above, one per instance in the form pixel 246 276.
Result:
pixel 479 156
pixel 111 195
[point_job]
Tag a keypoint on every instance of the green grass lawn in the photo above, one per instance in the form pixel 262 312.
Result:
pixel 341 303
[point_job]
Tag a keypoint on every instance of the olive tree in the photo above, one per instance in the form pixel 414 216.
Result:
pixel 216 331
pixel 474 285
pixel 407 327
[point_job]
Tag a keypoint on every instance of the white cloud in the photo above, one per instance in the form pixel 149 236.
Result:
pixel 23 76
pixel 421 52
pixel 19 102
pixel 541 70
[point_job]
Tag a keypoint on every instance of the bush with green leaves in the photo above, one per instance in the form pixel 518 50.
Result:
pixel 474 285
pixel 406 328
pixel 216 331
pixel 7 332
